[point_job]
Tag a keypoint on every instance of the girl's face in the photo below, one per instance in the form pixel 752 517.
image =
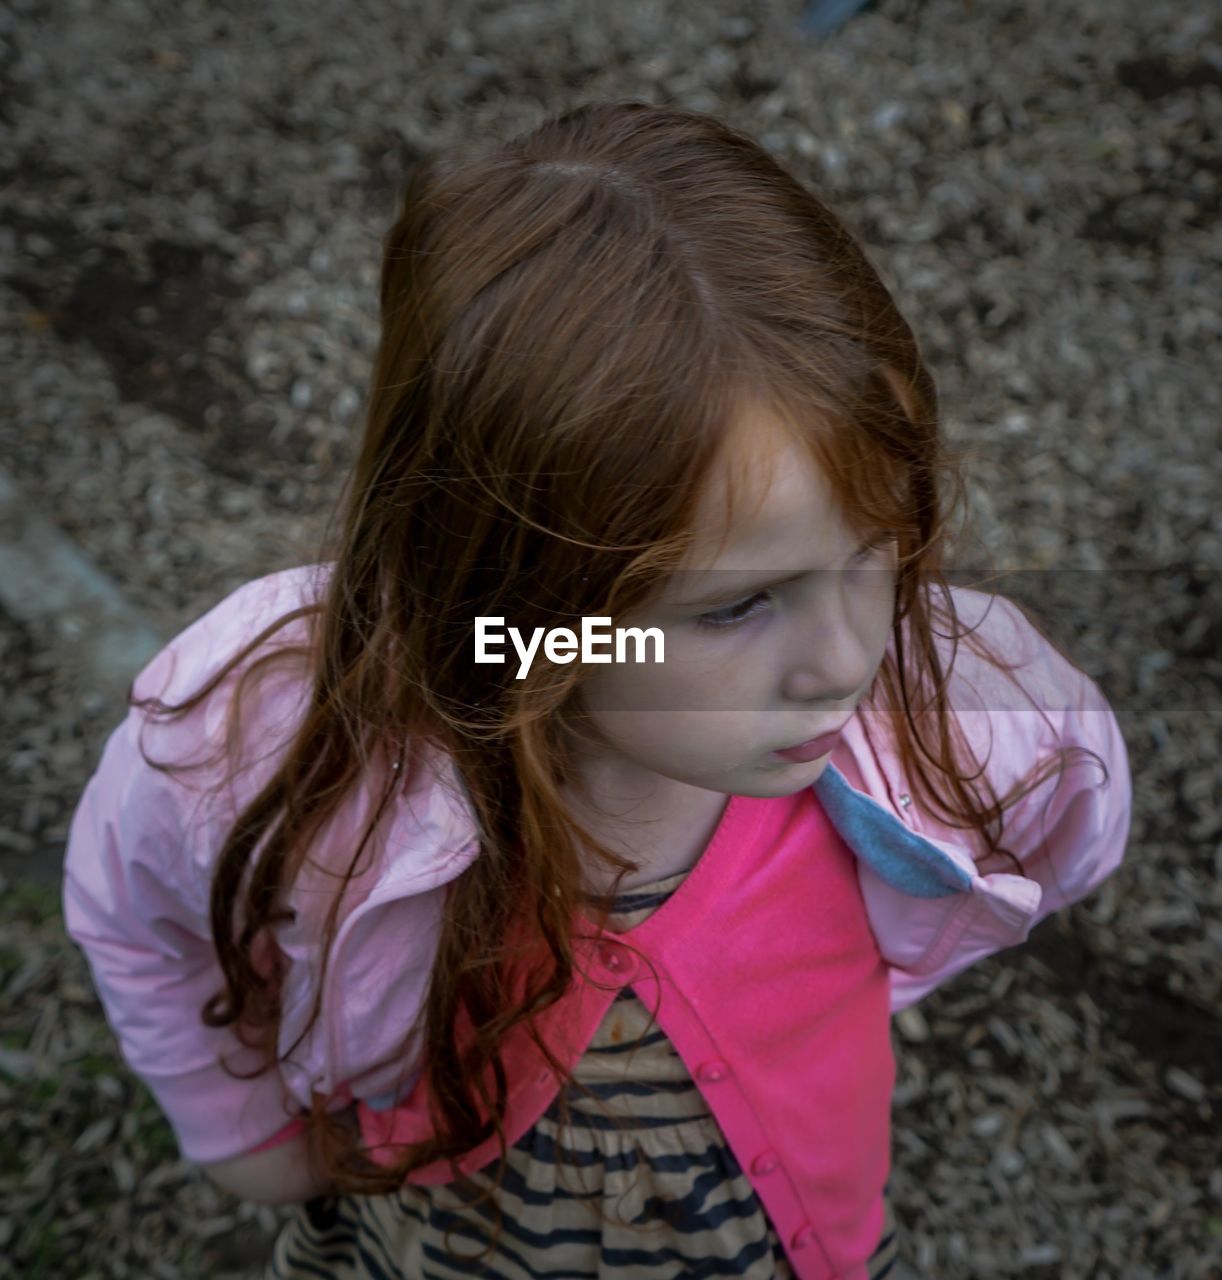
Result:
pixel 752 665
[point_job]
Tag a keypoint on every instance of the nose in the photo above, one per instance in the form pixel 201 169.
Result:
pixel 828 658
pixel 806 686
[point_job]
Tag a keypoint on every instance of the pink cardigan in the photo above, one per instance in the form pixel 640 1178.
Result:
pixel 807 921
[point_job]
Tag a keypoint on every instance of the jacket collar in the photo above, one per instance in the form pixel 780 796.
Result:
pixel 905 860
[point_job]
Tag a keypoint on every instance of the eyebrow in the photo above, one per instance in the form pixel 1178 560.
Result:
pixel 729 594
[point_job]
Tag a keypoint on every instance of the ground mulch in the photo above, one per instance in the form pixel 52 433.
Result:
pixel 193 200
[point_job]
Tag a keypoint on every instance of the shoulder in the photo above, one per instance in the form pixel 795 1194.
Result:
pixel 193 801
pixel 1044 704
pixel 200 649
pixel 1065 819
pixel 1034 674
pixel 1021 721
pixel 1016 701
pixel 1013 692
pixel 271 704
pixel 139 834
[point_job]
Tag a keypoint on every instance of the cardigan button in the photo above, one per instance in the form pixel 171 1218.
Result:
pixel 713 1071
pixel 803 1237
pixel 905 800
pixel 764 1163
pixel 620 961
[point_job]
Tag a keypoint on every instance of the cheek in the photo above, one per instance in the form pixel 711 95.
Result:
pixel 874 607
pixel 671 685
pixel 657 737
pixel 616 690
pixel 709 679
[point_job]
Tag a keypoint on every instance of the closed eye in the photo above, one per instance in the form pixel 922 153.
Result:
pixel 734 614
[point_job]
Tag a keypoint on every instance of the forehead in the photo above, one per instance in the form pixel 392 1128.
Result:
pixel 765 478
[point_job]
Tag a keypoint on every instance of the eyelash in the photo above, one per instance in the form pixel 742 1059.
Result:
pixel 705 620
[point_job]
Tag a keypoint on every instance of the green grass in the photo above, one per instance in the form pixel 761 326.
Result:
pixel 42 1090
pixel 156 1136
pixel 92 1065
pixel 32 902
pixel 37 1246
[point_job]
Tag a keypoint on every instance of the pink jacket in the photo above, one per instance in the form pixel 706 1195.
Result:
pixel 799 1074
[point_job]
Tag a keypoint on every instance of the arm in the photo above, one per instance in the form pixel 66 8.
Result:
pixel 1070 833
pixel 135 902
pixel 278 1171
pixel 272 1174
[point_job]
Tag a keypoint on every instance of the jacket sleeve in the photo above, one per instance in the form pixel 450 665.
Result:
pixel 1069 833
pixel 136 902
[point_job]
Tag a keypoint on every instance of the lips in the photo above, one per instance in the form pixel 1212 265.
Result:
pixel 813 748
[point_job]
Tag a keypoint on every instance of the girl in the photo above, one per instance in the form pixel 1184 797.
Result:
pixel 590 972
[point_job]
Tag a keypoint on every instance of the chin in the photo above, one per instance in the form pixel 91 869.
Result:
pixel 786 780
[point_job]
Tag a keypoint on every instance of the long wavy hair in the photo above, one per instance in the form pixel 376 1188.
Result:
pixel 570 320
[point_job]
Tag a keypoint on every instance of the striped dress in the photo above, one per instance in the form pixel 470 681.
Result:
pixel 648 1187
